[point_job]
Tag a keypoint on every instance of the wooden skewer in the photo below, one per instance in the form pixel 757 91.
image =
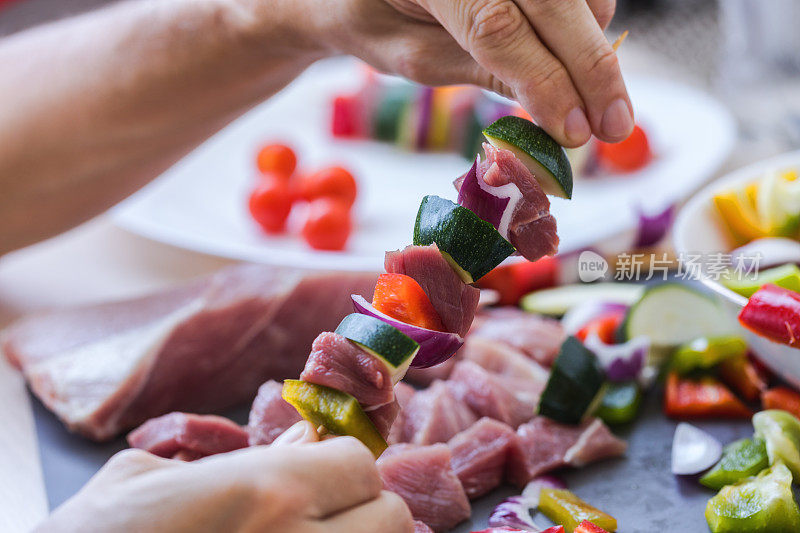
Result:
pixel 619 40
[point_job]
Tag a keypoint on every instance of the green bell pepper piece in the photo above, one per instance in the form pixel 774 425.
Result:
pixel 786 276
pixel 336 411
pixel 566 509
pixel 780 430
pixel 761 504
pixel 740 459
pixel 620 404
pixel 707 352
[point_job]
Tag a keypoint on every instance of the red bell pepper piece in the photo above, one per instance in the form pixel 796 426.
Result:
pixel 703 398
pixel 744 377
pixel 515 280
pixel 604 326
pixel 588 527
pixel 344 122
pixel 401 297
pixel 782 398
pixel 773 312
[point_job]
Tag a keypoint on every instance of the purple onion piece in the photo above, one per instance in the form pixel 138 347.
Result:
pixel 516 511
pixel 435 347
pixel 622 362
pixel 652 228
pixel 495 205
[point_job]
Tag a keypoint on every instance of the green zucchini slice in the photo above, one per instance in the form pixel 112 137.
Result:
pixel 576 385
pixel 383 341
pixel 543 156
pixel 471 245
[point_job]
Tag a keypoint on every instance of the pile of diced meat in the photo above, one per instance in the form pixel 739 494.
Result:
pixel 470 430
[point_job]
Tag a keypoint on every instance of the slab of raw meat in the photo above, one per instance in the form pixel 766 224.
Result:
pixel 201 347
pixel 545 445
pixel 270 415
pixel 505 399
pixel 480 453
pixel 188 436
pixel 338 363
pixel 536 336
pixel 424 478
pixel 434 415
pixel 384 416
pixel 403 394
pixel 454 301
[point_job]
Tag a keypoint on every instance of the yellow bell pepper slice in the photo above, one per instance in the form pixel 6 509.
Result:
pixel 566 509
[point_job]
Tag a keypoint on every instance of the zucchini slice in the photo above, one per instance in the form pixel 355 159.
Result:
pixel 336 411
pixel 559 300
pixel 671 314
pixel 383 341
pixel 543 156
pixel 576 385
pixel 471 245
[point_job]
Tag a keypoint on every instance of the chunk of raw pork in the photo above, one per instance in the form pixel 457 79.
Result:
pixel 453 300
pixel 505 399
pixel 538 337
pixel 338 363
pixel 424 478
pixel 201 347
pixel 270 415
pixel 403 394
pixel 480 454
pixel 545 445
pixel 435 415
pixel 187 436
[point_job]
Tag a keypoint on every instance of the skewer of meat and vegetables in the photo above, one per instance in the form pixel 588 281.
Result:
pixel 489 417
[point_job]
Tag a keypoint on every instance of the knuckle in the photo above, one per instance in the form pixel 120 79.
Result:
pixel 604 11
pixel 130 456
pixel 600 61
pixel 494 22
pixel 414 63
pixel 548 79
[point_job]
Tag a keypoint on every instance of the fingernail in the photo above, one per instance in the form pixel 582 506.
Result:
pixel 617 121
pixel 576 127
pixel 295 434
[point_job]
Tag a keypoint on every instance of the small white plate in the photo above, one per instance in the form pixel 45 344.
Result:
pixel 200 203
pixel 698 232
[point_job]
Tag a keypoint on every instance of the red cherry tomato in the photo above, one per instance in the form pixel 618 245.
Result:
pixel 626 156
pixel 328 224
pixel 277 158
pixel 332 182
pixel 270 203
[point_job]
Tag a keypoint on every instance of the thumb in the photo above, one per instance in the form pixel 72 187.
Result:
pixel 301 433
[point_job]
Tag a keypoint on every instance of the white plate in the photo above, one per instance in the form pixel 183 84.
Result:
pixel 698 231
pixel 200 203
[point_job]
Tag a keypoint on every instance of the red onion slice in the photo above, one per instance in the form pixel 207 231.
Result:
pixel 435 347
pixel 622 362
pixel 652 228
pixel 516 511
pixel 693 450
pixel 495 205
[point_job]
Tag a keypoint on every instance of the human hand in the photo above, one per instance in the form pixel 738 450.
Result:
pixel 550 55
pixel 296 485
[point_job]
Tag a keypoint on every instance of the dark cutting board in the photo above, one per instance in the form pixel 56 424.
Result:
pixel 638 490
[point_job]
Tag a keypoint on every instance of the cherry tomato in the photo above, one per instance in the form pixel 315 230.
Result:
pixel 328 224
pixel 277 158
pixel 270 203
pixel 332 182
pixel 628 155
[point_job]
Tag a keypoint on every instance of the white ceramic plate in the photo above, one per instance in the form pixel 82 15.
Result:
pixel 698 230
pixel 200 203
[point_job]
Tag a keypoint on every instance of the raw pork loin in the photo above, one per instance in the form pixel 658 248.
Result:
pixel 201 347
pixel 435 415
pixel 188 437
pixel 480 455
pixel 424 478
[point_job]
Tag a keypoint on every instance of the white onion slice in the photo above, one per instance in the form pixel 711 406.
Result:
pixel 693 450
